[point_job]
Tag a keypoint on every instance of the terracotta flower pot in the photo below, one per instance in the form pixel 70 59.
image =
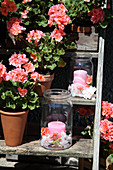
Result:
pixel 81 29
pixel 41 86
pixel 13 124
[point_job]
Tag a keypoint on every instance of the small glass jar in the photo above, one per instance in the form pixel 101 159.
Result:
pixel 57 120
pixel 84 64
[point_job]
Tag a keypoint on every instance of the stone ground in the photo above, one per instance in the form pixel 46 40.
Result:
pixel 41 164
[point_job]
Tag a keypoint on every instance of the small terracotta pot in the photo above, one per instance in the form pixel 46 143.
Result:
pixel 41 86
pixel 80 29
pixel 13 124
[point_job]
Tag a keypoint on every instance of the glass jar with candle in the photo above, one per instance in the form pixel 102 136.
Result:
pixel 56 121
pixel 84 64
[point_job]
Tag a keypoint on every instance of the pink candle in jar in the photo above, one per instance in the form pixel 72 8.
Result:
pixel 80 76
pixel 56 127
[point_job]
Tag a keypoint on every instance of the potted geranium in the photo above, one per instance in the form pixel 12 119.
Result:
pixel 42 30
pixel 106 132
pixel 17 97
pixel 85 13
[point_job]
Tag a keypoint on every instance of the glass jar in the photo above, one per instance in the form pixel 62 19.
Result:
pixel 84 62
pixel 56 121
pixel 82 66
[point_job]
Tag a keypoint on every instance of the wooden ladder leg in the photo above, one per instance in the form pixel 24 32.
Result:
pixel 81 163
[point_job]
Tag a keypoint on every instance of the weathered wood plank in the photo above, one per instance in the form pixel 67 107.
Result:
pixel 72 53
pixel 82 101
pixel 86 41
pixel 82 148
pixel 98 101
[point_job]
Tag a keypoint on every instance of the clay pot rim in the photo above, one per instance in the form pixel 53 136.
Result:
pixel 47 78
pixel 13 113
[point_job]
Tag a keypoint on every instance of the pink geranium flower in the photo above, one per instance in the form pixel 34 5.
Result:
pixel 25 1
pixel 57 13
pixel 29 67
pixel 2 70
pixel 35 35
pixel 86 0
pixel 30 35
pixel 34 76
pixel 18 59
pixel 34 57
pixel 16 29
pixel 57 34
pixel 107 109
pixel 18 74
pixel 24 14
pixel 22 92
pixel 11 21
pixel 55 8
pixel 105 129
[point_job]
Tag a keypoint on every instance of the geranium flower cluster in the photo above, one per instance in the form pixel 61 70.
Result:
pixel 35 35
pixel 97 14
pixel 57 14
pixel 106 124
pixel 24 14
pixel 44 47
pixel 14 27
pixel 23 72
pixel 85 110
pixel 8 6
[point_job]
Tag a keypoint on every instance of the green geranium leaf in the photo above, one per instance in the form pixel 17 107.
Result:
pixel 14 83
pixel 3 96
pixel 33 99
pixel 60 52
pixel 24 105
pixel 56 58
pixel 10 105
pixel 52 67
pixel 109 160
pixel 27 23
pixel 9 93
pixel 38 57
pixel 36 65
pixel 31 107
pixel 48 57
pixel 28 50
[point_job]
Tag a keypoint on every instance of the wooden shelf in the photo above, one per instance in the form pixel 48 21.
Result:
pixel 82 101
pixel 82 148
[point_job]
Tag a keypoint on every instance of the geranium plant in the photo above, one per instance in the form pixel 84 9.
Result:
pixel 88 12
pixel 16 85
pixel 86 112
pixel 106 129
pixel 42 30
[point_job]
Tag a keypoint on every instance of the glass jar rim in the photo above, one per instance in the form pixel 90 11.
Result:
pixel 57 94
pixel 83 56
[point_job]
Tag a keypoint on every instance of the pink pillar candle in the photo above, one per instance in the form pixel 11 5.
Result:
pixel 56 127
pixel 79 80
pixel 80 73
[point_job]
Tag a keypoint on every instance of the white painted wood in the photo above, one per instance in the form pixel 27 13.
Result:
pixel 98 102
